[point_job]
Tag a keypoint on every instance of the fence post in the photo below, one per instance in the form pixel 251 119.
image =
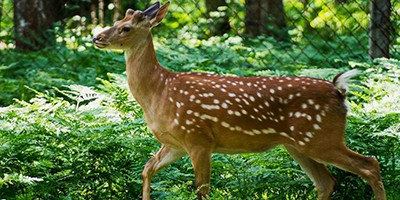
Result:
pixel 379 29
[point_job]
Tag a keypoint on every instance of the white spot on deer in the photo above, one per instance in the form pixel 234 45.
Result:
pixel 289 85
pixel 252 98
pixel 210 107
pixel 237 100
pixel 230 112
pixel 310 101
pixel 291 128
pixel 301 143
pixel 284 134
pixel 188 122
pixel 309 118
pixel 196 114
pixel 281 118
pixel 268 131
pixel 198 101
pixel 183 128
pixel 204 117
pixel 170 99
pixel 244 112
pixel 266 103
pixel 248 132
pixel 304 106
pixel 290 97
pixel 317 106
pixel 237 113
pixel 310 134
pixel 272 91
pixel 189 112
pixel 316 127
pixel 176 121
pixel 225 124
pixel 231 94
pixel 223 90
pixel 306 139
pixel 216 101
pixel 298 94
pixel 279 88
pixel 297 114
pixel 179 104
pixel 318 118
pixel 257 132
pixel 224 105
pixel 238 128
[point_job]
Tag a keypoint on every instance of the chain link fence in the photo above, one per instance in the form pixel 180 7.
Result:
pixel 279 32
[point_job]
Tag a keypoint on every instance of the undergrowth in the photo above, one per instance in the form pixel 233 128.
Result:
pixel 81 142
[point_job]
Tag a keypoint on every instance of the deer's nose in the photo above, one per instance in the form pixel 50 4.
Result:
pixel 97 38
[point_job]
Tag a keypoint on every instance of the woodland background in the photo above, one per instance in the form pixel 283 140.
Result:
pixel 69 129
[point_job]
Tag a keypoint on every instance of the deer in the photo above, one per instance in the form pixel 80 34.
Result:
pixel 198 114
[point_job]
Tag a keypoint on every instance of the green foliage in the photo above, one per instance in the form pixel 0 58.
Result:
pixel 44 69
pixel 71 130
pixel 54 148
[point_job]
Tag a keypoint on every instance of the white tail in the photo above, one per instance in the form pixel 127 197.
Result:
pixel 199 113
pixel 342 79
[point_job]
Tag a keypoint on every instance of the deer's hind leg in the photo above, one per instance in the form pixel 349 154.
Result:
pixel 317 172
pixel 363 166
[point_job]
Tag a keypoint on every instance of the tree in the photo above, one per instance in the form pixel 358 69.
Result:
pixel 379 28
pixel 32 21
pixel 220 22
pixel 266 17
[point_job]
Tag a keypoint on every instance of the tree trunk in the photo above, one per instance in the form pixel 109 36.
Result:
pixel 266 17
pixel 1 11
pixel 117 10
pixel 220 22
pixel 379 29
pixel 101 12
pixel 33 20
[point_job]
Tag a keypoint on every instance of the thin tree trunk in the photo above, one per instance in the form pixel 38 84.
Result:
pixel 266 17
pixel 1 11
pixel 101 12
pixel 220 24
pixel 33 21
pixel 117 10
pixel 273 19
pixel 379 29
pixel 252 18
pixel 93 13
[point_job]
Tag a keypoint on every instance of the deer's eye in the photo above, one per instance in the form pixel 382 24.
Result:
pixel 126 29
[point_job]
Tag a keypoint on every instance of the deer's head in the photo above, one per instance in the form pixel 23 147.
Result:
pixel 133 29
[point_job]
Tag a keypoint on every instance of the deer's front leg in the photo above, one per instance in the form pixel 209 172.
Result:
pixel 164 156
pixel 201 161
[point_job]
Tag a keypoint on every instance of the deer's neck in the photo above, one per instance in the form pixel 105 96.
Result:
pixel 145 74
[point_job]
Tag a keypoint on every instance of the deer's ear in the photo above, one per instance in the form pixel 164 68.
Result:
pixel 129 12
pixel 158 15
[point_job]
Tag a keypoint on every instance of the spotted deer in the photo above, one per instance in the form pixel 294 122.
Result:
pixel 200 113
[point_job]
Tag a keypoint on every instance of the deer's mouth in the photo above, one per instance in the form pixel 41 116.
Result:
pixel 99 42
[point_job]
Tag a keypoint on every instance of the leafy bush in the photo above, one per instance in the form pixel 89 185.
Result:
pixel 54 148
